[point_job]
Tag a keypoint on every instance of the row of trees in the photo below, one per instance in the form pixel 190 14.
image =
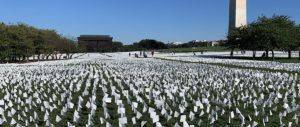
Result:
pixel 145 44
pixel 19 42
pixel 267 34
pixel 191 44
pixel 150 44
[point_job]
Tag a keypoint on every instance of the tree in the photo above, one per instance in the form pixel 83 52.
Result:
pixel 4 44
pixel 297 37
pixel 117 46
pixel 67 46
pixel 19 42
pixel 39 43
pixel 283 33
pixel 268 34
pixel 151 44
pixel 234 39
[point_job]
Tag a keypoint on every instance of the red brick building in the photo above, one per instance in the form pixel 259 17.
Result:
pixel 94 43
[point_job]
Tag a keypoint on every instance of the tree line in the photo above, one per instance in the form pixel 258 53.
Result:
pixel 145 44
pixel 19 42
pixel 267 34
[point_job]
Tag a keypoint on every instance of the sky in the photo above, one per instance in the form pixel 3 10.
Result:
pixel 130 21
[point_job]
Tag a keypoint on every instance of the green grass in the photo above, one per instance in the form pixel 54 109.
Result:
pixel 219 49
pixel 277 59
pixel 234 66
pixel 284 60
pixel 197 49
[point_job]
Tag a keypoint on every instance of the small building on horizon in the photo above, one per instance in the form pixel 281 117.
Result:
pixel 177 43
pixel 205 43
pixel 95 43
pixel 213 43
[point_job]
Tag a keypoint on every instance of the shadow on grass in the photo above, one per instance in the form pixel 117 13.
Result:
pixel 235 66
pixel 277 59
pixel 196 49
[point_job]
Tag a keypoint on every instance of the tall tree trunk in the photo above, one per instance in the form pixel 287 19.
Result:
pixel 254 54
pixel 267 53
pixel 47 57
pixel 273 57
pixel 39 57
pixel 71 55
pixel 24 58
pixel 290 54
pixel 231 53
pixel 68 56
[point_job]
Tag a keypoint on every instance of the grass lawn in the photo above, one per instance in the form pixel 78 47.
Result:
pixel 237 66
pixel 277 59
pixel 284 60
pixel 197 49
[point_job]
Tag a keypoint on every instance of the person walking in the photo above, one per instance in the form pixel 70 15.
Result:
pixel 152 53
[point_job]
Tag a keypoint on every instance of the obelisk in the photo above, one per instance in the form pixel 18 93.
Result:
pixel 237 14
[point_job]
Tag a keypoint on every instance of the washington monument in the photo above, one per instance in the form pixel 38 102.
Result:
pixel 237 14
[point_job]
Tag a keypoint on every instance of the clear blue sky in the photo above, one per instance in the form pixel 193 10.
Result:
pixel 132 20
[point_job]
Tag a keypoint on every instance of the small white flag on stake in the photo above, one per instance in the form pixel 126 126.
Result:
pixel 58 119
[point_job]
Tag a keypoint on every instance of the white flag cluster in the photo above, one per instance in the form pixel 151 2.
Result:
pixel 89 91
pixel 237 62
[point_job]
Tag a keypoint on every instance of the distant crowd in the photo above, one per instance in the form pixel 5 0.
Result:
pixel 142 54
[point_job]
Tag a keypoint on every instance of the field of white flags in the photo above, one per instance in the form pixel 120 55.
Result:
pixel 114 89
pixel 215 57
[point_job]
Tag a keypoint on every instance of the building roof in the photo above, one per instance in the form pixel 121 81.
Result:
pixel 96 36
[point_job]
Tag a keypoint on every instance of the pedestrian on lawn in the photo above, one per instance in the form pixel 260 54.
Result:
pixel 152 53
